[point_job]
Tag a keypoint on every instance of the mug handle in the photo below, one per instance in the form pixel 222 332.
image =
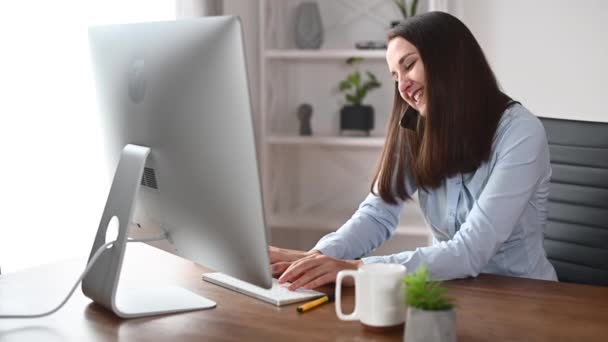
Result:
pixel 338 295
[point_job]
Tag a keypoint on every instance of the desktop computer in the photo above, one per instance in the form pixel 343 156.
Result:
pixel 179 137
pixel 178 128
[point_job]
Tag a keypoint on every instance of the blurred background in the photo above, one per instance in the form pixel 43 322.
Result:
pixel 549 54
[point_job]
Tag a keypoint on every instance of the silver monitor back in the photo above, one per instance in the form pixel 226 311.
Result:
pixel 180 88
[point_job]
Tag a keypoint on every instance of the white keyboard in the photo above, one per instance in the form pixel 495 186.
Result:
pixel 278 294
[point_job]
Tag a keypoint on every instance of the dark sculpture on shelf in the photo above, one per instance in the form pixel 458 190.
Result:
pixel 304 115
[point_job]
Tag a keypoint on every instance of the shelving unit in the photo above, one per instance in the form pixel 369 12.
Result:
pixel 313 184
pixel 324 54
pixel 323 224
pixel 325 141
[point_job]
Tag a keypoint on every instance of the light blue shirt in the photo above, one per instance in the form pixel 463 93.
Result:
pixel 487 221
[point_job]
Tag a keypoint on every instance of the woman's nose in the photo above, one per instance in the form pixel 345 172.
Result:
pixel 403 83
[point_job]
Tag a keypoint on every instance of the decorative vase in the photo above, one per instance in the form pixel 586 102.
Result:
pixel 430 326
pixel 356 120
pixel 308 29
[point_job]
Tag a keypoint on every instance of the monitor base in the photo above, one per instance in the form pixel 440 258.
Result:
pixel 139 302
pixel 101 282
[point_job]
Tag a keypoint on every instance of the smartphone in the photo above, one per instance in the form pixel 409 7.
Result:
pixel 410 118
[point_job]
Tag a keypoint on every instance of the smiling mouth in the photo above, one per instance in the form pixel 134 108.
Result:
pixel 416 96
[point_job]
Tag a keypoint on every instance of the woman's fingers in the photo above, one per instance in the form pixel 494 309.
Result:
pixel 315 271
pixel 326 278
pixel 321 270
pixel 279 267
pixel 298 267
pixel 277 254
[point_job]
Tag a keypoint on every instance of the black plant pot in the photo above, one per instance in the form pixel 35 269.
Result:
pixel 356 120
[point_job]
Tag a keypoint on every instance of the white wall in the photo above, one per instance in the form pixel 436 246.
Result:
pixel 248 11
pixel 552 55
pixel 53 180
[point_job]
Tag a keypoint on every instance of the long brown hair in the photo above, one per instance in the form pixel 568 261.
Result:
pixel 464 106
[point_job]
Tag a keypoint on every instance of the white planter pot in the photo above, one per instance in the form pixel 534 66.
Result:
pixel 430 326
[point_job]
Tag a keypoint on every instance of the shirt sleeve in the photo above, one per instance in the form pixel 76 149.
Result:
pixel 373 223
pixel 522 159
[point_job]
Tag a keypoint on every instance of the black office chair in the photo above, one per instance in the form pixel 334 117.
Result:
pixel 576 236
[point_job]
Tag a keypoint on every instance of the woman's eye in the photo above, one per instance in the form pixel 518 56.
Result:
pixel 410 66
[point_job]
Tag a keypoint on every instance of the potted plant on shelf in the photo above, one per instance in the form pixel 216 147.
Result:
pixel 402 6
pixel 430 314
pixel 355 117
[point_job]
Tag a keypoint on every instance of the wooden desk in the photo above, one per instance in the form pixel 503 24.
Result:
pixel 490 308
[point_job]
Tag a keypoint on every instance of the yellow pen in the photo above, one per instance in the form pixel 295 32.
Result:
pixel 313 304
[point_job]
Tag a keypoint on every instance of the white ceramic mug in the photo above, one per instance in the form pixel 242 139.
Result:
pixel 378 295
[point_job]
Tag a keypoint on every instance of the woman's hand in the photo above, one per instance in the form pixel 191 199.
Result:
pixel 281 258
pixel 316 270
pixel 283 254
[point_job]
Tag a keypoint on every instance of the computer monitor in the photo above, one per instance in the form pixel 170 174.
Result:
pixel 178 128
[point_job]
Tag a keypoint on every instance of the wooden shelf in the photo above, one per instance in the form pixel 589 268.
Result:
pixel 325 54
pixel 293 165
pixel 331 224
pixel 326 141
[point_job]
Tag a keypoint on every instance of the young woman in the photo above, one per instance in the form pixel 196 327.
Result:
pixel 478 160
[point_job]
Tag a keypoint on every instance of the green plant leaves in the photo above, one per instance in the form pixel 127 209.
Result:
pixel 402 6
pixel 354 79
pixel 355 100
pixel 424 294
pixel 354 60
pixel 345 85
pixel 372 77
pixel 413 7
pixel 354 82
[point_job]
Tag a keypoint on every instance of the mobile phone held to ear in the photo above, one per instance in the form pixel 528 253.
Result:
pixel 409 120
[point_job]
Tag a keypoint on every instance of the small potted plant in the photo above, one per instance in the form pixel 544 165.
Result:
pixel 430 314
pixel 402 6
pixel 355 117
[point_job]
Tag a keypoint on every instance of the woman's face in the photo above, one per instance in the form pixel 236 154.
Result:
pixel 406 68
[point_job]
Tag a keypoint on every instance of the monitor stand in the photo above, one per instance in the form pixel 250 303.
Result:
pixel 101 282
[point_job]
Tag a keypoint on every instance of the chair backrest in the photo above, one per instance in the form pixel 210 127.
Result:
pixel 576 236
